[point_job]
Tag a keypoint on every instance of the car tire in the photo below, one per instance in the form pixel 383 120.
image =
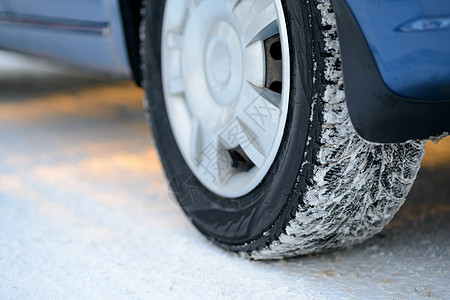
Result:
pixel 326 188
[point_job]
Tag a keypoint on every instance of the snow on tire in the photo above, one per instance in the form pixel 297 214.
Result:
pixel 358 186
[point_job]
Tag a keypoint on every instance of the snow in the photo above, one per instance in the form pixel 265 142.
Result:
pixel 85 212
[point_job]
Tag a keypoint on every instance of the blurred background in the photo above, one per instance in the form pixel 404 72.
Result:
pixel 85 209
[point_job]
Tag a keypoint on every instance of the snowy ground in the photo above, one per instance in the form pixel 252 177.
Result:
pixel 85 211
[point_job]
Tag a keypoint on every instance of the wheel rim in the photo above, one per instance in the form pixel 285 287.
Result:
pixel 225 70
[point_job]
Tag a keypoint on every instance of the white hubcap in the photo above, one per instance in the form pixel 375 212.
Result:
pixel 227 123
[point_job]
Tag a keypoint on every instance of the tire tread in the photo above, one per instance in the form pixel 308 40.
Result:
pixel 357 186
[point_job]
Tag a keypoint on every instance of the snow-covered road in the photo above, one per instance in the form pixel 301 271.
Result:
pixel 85 211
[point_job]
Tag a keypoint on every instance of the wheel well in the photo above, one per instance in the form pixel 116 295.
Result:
pixel 131 19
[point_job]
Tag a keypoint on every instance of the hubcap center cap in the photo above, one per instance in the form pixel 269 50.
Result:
pixel 218 64
pixel 223 63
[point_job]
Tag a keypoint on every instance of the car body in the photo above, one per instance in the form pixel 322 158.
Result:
pixel 396 54
pixel 396 63
pixel 85 33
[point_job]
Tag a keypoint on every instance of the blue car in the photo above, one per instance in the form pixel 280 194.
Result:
pixel 285 127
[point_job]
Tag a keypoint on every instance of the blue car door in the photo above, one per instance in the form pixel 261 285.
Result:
pixel 80 32
pixel 4 6
pixel 62 10
pixel 9 39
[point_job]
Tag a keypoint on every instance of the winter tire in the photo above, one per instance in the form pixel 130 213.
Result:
pixel 247 106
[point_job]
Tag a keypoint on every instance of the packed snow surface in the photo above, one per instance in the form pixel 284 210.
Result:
pixel 85 212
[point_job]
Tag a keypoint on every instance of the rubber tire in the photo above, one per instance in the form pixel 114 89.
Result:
pixel 327 187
